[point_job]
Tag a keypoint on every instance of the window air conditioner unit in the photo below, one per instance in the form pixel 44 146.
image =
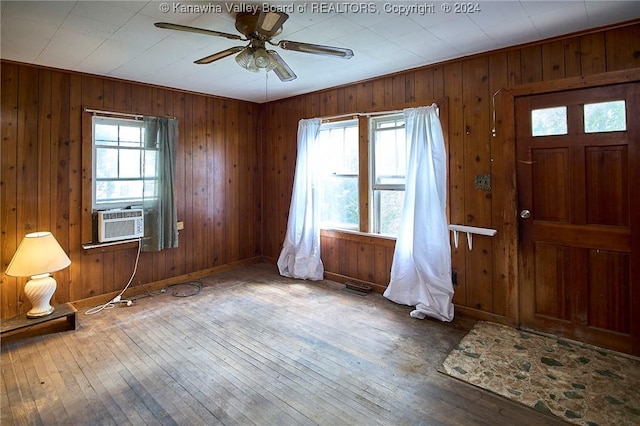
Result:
pixel 114 225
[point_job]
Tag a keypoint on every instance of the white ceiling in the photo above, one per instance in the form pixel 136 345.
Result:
pixel 118 38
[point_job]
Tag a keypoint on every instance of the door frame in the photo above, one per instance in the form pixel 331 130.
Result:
pixel 505 135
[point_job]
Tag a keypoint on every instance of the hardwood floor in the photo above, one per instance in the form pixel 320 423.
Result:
pixel 251 348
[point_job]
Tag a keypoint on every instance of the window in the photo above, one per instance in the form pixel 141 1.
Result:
pixel 549 121
pixel 121 162
pixel 605 117
pixel 388 172
pixel 599 117
pixel 341 171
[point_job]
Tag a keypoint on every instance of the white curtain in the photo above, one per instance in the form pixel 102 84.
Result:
pixel 300 255
pixel 421 268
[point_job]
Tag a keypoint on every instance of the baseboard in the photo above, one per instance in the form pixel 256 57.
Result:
pixel 466 312
pixel 159 285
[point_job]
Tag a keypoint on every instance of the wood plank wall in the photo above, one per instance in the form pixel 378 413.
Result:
pixel 236 163
pixel 45 179
pixel 487 274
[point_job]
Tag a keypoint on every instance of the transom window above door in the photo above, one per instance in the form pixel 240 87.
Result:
pixel 598 117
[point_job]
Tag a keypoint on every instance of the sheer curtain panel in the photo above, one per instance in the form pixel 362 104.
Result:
pixel 421 268
pixel 159 195
pixel 300 255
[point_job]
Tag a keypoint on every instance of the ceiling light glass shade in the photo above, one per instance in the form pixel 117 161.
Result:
pixel 246 59
pixel 262 58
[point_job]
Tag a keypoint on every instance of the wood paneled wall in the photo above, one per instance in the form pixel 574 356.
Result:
pixel 45 180
pixel 487 274
pixel 236 162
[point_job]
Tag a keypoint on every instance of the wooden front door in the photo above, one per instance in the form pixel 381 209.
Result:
pixel 578 182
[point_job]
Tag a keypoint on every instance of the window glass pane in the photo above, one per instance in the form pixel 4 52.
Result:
pixel 390 211
pixel 118 191
pixel 605 117
pixel 130 165
pixel 105 134
pixel 390 156
pixel 150 188
pixel 339 202
pixel 389 121
pixel 549 121
pixel 338 172
pixel 150 163
pixel 130 136
pixel 338 148
pixel 106 163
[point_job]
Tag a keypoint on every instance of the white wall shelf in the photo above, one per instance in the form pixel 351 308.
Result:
pixel 470 230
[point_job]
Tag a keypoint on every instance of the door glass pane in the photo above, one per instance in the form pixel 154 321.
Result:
pixel 549 121
pixel 605 117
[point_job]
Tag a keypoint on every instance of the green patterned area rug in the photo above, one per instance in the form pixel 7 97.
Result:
pixel 581 384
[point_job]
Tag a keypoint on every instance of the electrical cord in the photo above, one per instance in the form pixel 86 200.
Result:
pixel 118 299
pixel 196 287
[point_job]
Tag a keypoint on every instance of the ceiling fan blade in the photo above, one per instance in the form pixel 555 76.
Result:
pixel 316 49
pixel 220 55
pixel 270 23
pixel 169 26
pixel 281 68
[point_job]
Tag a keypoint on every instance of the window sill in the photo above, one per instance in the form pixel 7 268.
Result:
pixel 361 237
pixel 92 247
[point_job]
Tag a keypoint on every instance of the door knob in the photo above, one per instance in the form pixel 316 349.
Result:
pixel 525 214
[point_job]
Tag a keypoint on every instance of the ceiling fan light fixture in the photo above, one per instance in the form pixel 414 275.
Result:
pixel 246 59
pixel 262 58
pixel 258 27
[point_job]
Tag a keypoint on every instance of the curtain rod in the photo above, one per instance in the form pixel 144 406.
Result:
pixel 121 114
pixel 366 114
pixel 360 114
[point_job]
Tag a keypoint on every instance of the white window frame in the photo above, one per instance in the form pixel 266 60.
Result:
pixel 343 124
pixel 375 188
pixel 115 122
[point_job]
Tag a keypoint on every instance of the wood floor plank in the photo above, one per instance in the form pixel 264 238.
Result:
pixel 49 406
pixel 23 404
pixel 99 371
pixel 186 365
pixel 251 348
pixel 300 376
pixel 251 381
pixel 338 364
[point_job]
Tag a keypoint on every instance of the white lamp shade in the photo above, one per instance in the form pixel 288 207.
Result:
pixel 38 253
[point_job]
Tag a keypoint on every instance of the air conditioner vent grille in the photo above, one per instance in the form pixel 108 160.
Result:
pixel 117 225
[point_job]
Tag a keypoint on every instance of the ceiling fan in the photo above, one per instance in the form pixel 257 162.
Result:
pixel 258 28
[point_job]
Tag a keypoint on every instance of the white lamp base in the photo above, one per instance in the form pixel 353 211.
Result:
pixel 39 291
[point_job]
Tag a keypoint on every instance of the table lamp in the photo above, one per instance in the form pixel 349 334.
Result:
pixel 38 255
